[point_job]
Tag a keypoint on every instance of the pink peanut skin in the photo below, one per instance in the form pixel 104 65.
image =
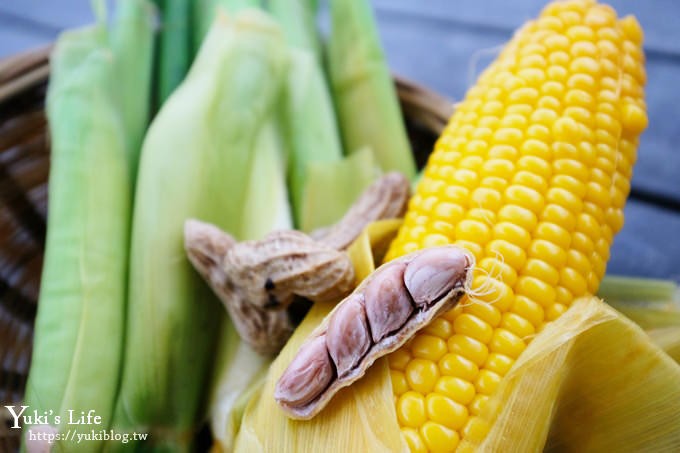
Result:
pixel 348 338
pixel 388 303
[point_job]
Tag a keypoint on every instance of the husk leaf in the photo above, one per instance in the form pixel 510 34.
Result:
pixel 592 381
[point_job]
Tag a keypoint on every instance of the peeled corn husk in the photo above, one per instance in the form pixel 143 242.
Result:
pixel 591 381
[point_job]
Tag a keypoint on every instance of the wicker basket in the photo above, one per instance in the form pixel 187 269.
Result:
pixel 24 168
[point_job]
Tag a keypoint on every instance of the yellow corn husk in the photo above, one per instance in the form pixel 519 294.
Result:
pixel 593 382
pixel 349 421
pixel 531 175
pixel 668 339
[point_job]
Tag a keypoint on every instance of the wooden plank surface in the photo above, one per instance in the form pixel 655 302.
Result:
pixel 444 44
pixel 648 244
pixel 658 17
pixel 15 36
pixel 48 16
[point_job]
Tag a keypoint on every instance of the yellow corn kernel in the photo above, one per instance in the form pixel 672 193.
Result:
pixel 487 381
pixel 499 270
pixel 531 175
pixel 486 312
pixel 399 383
pixel 553 233
pixel 475 429
pixel 535 289
pixel 548 252
pixel 439 327
pixel 528 309
pixel 563 295
pixel 459 390
pixel 525 197
pixel 469 348
pixel 471 326
pixel 558 215
pixel 524 178
pixel 428 347
pixel 445 411
pixel 422 375
pixel 496 292
pixel 518 215
pixel 573 281
pixel 555 311
pixel 478 404
pixel 439 438
pixel 484 197
pixel 494 182
pixel 512 254
pixel 506 342
pixel 486 216
pixel 458 366
pixel 472 247
pixel 512 233
pixel 498 363
pixel 541 270
pixel 411 409
pixel 399 359
pixel 415 443
pixel 473 231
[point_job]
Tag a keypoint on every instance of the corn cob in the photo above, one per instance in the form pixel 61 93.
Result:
pixel 530 175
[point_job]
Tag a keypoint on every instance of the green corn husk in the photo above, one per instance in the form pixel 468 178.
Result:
pixel 311 131
pixel 132 36
pixel 332 187
pixel 322 184
pixel 238 367
pixel 174 44
pixel 204 12
pixel 365 96
pixel 298 19
pixel 77 353
pixel 639 291
pixel 71 50
pixel 266 207
pixel 196 163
